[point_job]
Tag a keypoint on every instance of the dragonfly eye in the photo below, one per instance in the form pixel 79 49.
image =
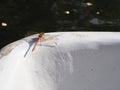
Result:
pixel 41 34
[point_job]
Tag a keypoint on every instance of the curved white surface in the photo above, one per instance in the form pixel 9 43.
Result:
pixel 62 61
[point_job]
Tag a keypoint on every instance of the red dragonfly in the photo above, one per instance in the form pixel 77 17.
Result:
pixel 39 38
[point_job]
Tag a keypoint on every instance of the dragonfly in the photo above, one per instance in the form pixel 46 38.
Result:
pixel 38 40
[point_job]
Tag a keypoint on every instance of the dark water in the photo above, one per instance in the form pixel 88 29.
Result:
pixel 19 18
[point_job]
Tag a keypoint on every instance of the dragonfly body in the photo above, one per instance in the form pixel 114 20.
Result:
pixel 38 39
